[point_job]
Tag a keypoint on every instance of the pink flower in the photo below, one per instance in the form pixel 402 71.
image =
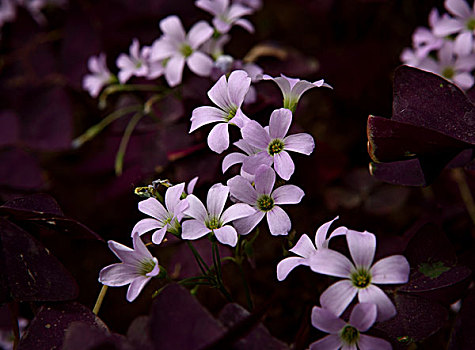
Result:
pixel 213 219
pixel 347 335
pixel 137 268
pixel 307 251
pixel 226 15
pixel 175 47
pixel 228 96
pixel 164 219
pixel 293 88
pixel 237 158
pixel 265 201
pixel 100 76
pixel 274 144
pixel 134 64
pixel 360 277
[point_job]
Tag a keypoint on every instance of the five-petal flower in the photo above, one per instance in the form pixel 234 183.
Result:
pixel 137 268
pixel 226 14
pixel 100 76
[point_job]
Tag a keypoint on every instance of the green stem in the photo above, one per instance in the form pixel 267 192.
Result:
pixel 199 260
pixel 217 263
pixel 246 285
pixel 94 130
pixel 119 158
pixel 100 299
pixel 112 89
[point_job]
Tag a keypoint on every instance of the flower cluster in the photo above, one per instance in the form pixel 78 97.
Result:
pixel 360 278
pixel 200 49
pixel 448 47
pixel 8 9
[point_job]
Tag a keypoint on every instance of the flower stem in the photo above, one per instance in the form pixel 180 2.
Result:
pixel 199 260
pixel 459 176
pixel 246 285
pixel 99 300
pixel 119 158
pixel 112 89
pixel 94 130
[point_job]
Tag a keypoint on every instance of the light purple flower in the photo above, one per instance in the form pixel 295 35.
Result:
pixel 265 200
pixel 457 69
pixel 463 23
pixel 100 76
pixel 226 15
pixel 175 47
pixel 292 88
pixel 133 64
pixel 360 277
pixel 214 220
pixel 228 96
pixel 7 12
pixel 274 144
pixel 237 158
pixel 137 268
pixel 347 335
pixel 253 4
pixel 307 251
pixel 164 219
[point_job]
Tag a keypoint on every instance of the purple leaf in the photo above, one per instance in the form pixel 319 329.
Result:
pixel 406 172
pixel 47 330
pixel 20 170
pixel 35 205
pixel 178 321
pixel 91 336
pixel 32 273
pixel 9 128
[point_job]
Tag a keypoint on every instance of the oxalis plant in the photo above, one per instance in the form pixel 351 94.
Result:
pixel 371 299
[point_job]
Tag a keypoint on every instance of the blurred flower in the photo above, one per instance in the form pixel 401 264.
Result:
pixel 164 219
pixel 254 4
pixel 226 15
pixel 305 248
pixel 7 337
pixel 274 144
pixel 137 268
pixel 360 276
pixel 265 201
pixel 214 220
pixel 293 89
pixel 100 76
pixel 7 11
pixel 228 96
pixel 347 335
pixel 133 64
pixel 176 47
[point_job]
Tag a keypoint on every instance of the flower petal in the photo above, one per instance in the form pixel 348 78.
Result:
pixel 458 7
pixel 247 224
pixel 242 189
pixel 330 342
pixel 237 211
pixel 264 180
pixel 321 234
pixel 288 194
pixel 251 163
pixel 199 33
pixel 254 134
pixel 117 275
pixel 136 287
pixel 172 196
pixel 200 64
pixel 163 48
pixel 146 225
pixel 279 123
pixel 219 94
pixel 324 320
pixel 218 138
pixel 153 208
pixel 363 316
pixel 304 247
pixel 196 208
pixel 283 83
pixel 205 115
pixel 447 26
pixel 124 253
pixel 232 159
pixel 278 221
pixel 140 250
pixel 217 196
pixel 300 143
pixel 362 246
pixel 288 264
pixel 393 269
pixel 332 263
pixel 158 235
pixel 338 296
pixel 375 295
pixel 226 235
pixel 193 229
pixel 238 86
pixel 171 26
pixel 244 23
pixel 283 165
pixel 174 70
pixel 367 342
